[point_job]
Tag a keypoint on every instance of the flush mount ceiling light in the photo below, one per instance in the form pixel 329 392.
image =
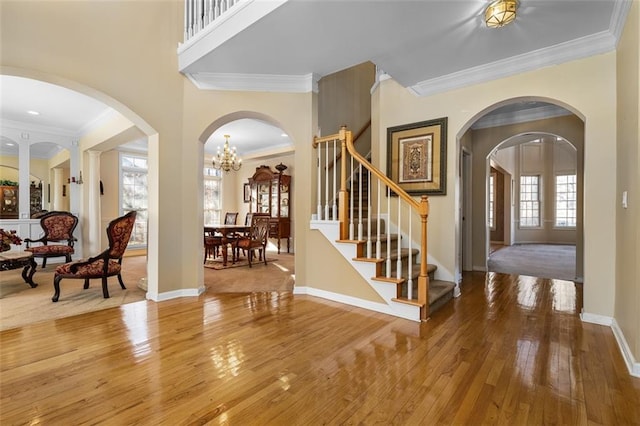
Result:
pixel 500 13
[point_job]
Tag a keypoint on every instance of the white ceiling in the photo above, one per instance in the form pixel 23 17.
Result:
pixel 417 42
pixel 64 112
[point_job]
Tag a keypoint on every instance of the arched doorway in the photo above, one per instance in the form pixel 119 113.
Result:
pixel 506 124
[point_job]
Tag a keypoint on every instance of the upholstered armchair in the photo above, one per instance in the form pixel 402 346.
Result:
pixel 106 264
pixel 58 238
pixel 257 237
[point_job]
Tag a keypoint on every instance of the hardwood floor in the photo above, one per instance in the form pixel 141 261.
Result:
pixel 512 350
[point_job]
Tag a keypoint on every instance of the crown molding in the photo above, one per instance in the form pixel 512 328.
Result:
pixel 583 47
pixel 522 116
pixel 255 82
pixel 619 17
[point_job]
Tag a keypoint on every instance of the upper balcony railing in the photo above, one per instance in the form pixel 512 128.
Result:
pixel 198 14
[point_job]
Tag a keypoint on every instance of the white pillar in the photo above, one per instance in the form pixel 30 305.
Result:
pixel 24 195
pixel 58 181
pixel 94 219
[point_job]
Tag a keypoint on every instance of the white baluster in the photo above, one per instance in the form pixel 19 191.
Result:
pixel 216 11
pixel 388 233
pixel 186 20
pixel 399 260
pixel 334 215
pixel 360 202
pixel 326 183
pixel 410 264
pixel 351 213
pixel 319 191
pixel 378 242
pixel 210 8
pixel 368 213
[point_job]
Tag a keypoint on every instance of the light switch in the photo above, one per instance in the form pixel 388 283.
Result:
pixel 624 199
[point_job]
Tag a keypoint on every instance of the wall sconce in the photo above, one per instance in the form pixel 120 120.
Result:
pixel 73 179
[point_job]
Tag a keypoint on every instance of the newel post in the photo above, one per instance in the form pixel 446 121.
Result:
pixel 423 279
pixel 343 195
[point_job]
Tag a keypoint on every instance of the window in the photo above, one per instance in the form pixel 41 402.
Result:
pixel 133 184
pixel 212 195
pixel 566 201
pixel 530 201
pixel 492 201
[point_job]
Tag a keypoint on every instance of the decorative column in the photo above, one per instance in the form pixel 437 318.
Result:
pixel 24 196
pixel 58 181
pixel 94 221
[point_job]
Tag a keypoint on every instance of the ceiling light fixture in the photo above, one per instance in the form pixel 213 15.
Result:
pixel 227 159
pixel 33 112
pixel 500 13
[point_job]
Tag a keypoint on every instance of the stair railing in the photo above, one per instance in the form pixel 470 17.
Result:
pixel 350 217
pixel 198 14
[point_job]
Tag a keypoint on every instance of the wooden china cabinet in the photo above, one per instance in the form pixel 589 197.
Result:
pixel 271 193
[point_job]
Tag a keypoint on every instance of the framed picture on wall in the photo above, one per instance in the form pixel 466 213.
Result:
pixel 417 156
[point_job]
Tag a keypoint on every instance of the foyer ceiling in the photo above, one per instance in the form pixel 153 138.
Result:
pixel 422 44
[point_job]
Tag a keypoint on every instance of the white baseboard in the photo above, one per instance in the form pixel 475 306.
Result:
pixel 632 365
pixel 629 359
pixel 352 301
pixel 187 292
pixel 596 319
pixel 480 268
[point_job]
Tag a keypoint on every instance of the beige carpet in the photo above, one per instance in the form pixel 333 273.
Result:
pixel 554 261
pixel 21 304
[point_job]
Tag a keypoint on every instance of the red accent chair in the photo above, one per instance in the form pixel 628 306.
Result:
pixel 58 238
pixel 106 264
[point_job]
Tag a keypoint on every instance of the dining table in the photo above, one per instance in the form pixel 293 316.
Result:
pixel 229 235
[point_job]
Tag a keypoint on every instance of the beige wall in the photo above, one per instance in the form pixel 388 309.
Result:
pixel 627 277
pixel 563 84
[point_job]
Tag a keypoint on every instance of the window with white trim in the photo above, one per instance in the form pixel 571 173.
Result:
pixel 134 195
pixel 529 201
pixel 566 199
pixel 492 201
pixel 212 195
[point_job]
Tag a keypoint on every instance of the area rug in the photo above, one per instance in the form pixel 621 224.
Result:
pixel 21 304
pixel 536 260
pixel 277 275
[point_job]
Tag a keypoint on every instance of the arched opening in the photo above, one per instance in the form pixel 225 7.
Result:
pixel 525 144
pixel 59 158
pixel 261 142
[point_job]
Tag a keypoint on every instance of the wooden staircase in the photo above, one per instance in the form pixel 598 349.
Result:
pixel 392 259
pixel 440 292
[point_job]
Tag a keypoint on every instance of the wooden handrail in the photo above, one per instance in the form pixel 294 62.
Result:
pixel 355 139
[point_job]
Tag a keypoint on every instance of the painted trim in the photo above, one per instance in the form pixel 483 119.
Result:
pixel 580 48
pixel 186 292
pixel 596 319
pixel 351 301
pixel 255 82
pixel 632 364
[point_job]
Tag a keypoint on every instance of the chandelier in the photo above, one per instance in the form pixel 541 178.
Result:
pixel 500 13
pixel 227 159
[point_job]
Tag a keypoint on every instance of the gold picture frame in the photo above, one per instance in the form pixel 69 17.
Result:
pixel 417 156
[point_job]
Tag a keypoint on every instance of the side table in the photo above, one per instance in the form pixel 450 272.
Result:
pixel 19 259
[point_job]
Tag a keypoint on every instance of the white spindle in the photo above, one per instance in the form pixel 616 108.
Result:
pixel 216 11
pixel 319 192
pixel 210 8
pixel 410 264
pixel 186 20
pixel 351 212
pixel 399 259
pixel 388 233
pixel 359 202
pixel 335 180
pixel 368 213
pixel 326 183
pixel 378 242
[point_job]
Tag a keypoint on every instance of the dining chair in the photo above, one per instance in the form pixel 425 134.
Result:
pixel 257 237
pixel 104 265
pixel 58 239
pixel 212 242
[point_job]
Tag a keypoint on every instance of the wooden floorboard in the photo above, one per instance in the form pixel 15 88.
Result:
pixel 511 350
